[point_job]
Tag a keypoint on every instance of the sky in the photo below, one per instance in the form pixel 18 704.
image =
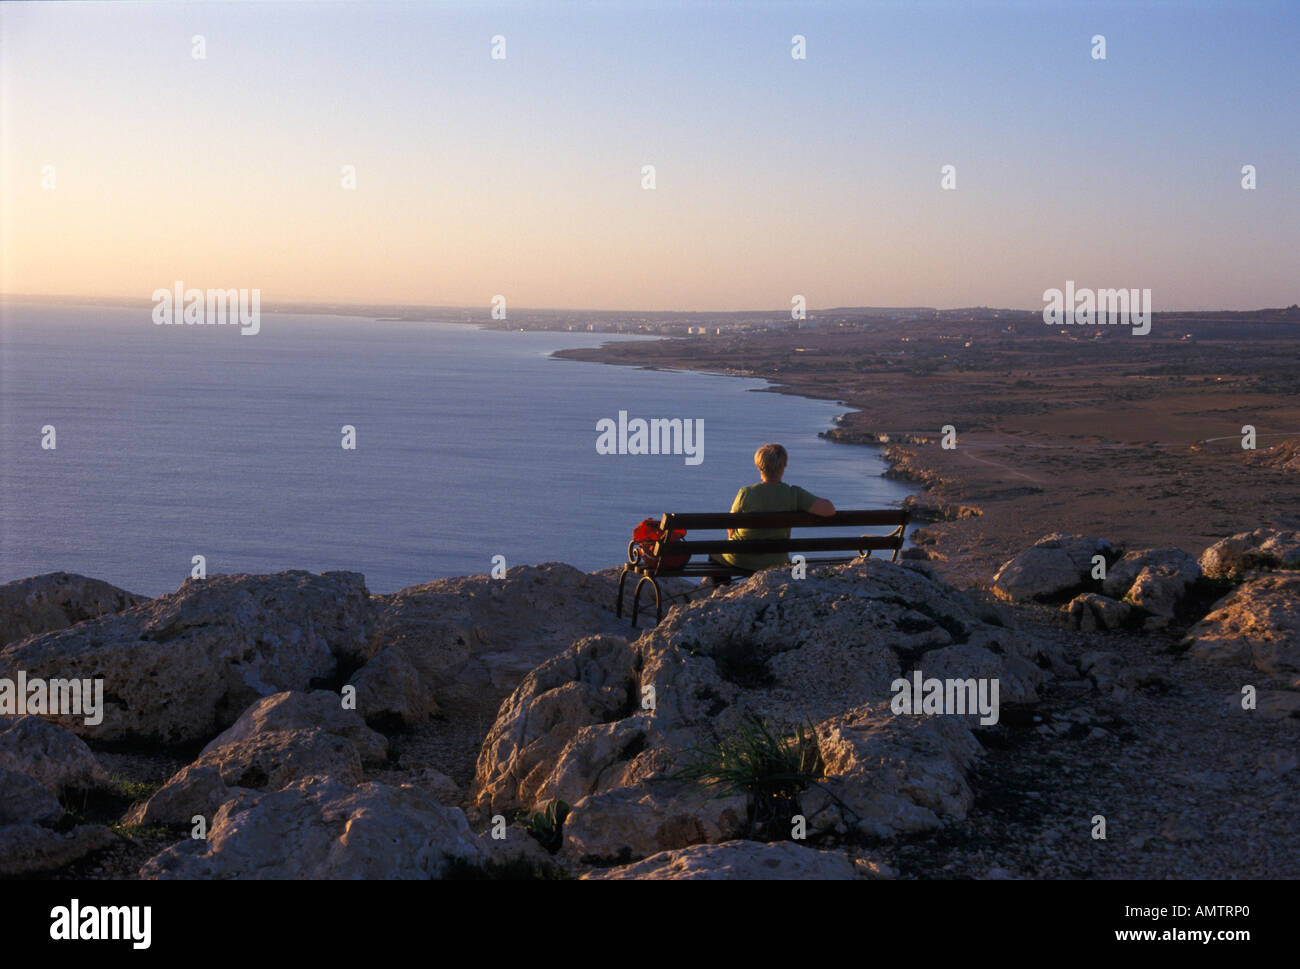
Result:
pixel 774 176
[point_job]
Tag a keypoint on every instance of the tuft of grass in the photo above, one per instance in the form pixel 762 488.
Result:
pixel 135 790
pixel 548 826
pixel 754 760
pixel 144 832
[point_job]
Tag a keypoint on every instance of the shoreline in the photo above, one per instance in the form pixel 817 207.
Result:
pixel 1129 440
pixel 1037 449
pixel 922 512
pixel 400 567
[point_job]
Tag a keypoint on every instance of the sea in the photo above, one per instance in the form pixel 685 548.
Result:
pixel 127 448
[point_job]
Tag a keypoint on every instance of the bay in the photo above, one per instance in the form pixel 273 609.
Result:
pixel 176 441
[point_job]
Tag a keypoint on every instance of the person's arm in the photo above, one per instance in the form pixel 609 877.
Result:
pixel 737 506
pixel 822 508
pixel 809 502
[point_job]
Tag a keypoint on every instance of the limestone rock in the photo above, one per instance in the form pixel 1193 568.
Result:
pixel 1283 456
pixel 318 828
pixel 737 861
pixel 181 668
pixel 1089 612
pixel 29 849
pixel 1257 623
pixel 295 710
pixel 434 782
pixel 392 693
pixel 57 600
pixel 927 508
pixel 267 761
pixel 49 754
pixel 459 646
pixel 889 775
pixel 276 758
pixel 606 725
pixel 1121 576
pixel 40 761
pixel 1018 679
pixel 27 801
pixel 517 847
pixel 1054 565
pixel 592 682
pixel 193 790
pixel 640 820
pixel 1264 548
pixel 1154 581
pixel 915 553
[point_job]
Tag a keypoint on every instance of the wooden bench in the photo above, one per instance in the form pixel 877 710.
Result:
pixel 707 567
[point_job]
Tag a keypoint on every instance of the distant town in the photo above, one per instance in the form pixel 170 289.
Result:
pixel 689 323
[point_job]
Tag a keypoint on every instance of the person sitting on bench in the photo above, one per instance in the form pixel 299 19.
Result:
pixel 771 494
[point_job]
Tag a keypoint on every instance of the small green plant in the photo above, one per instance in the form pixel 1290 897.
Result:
pixel 754 760
pixel 135 790
pixel 693 647
pixel 548 826
pixel 142 832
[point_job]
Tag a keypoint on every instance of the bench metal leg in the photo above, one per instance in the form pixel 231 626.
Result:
pixel 636 599
pixel 618 601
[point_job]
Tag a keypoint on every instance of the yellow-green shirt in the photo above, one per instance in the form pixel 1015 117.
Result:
pixel 769 496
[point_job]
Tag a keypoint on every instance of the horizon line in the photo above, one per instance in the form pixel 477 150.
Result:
pixel 86 299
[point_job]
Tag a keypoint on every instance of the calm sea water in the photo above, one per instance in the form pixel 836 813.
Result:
pixel 174 441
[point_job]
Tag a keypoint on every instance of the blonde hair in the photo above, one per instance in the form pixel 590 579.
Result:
pixel 771 459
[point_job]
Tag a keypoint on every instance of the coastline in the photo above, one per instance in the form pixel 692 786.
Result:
pixel 394 565
pixel 1134 441
pixel 1038 449
pixel 922 511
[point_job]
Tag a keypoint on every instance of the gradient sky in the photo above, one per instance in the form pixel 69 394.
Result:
pixel 775 176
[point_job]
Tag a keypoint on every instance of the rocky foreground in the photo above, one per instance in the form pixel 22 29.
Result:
pixel 295 726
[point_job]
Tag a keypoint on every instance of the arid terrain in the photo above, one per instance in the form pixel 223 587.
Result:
pixel 1137 438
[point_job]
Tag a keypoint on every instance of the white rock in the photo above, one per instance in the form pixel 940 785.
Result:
pixel 1259 623
pixel 320 829
pixel 1264 548
pixel 295 710
pixel 1053 565
pixel 49 754
pixel 27 801
pixel 29 849
pixel 181 668
pixel 54 601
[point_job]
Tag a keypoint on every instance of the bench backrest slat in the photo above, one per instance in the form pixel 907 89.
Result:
pixel 764 545
pixel 784 519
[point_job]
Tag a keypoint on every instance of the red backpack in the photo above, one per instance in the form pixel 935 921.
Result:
pixel 644 538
